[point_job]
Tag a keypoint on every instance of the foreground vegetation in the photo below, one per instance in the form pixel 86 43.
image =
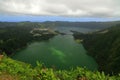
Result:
pixel 15 70
pixel 104 46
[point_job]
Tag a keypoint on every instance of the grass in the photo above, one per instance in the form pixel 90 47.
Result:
pixel 15 70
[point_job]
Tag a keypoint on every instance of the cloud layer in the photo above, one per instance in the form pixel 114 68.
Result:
pixel 72 8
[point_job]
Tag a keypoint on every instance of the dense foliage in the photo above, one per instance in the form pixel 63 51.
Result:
pixel 17 35
pixel 104 46
pixel 15 70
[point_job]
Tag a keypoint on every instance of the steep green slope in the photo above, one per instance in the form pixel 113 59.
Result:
pixel 15 70
pixel 104 46
pixel 15 37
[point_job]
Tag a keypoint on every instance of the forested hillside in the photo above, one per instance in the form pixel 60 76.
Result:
pixel 104 46
pixel 14 36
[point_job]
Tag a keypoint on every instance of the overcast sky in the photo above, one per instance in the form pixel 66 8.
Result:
pixel 62 8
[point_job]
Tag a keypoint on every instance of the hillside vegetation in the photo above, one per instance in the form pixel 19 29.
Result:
pixel 19 35
pixel 15 70
pixel 104 46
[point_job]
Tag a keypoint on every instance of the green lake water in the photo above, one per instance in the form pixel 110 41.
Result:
pixel 60 52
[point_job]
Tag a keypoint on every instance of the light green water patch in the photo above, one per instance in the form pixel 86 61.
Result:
pixel 61 55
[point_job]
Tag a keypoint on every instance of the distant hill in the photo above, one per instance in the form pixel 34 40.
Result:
pixel 95 25
pixel 11 24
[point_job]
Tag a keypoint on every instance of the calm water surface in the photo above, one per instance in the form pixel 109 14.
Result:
pixel 61 52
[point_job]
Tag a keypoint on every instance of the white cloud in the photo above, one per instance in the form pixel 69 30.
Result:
pixel 75 8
